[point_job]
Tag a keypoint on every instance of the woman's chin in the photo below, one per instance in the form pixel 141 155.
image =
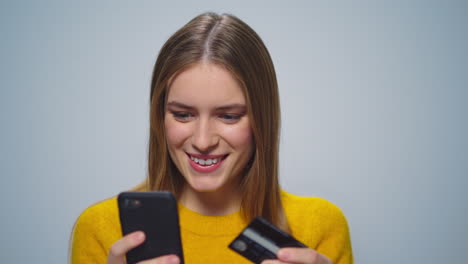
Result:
pixel 203 186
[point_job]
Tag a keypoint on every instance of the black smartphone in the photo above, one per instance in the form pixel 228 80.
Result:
pixel 154 213
pixel 261 240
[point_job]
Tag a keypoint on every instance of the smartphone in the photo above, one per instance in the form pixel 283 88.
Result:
pixel 261 240
pixel 154 213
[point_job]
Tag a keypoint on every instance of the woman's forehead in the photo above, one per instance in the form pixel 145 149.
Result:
pixel 206 84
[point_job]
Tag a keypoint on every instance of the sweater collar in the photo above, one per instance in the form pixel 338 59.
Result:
pixel 230 224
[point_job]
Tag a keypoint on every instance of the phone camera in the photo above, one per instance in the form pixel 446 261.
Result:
pixel 132 203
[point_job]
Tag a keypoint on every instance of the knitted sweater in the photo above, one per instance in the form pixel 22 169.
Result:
pixel 315 222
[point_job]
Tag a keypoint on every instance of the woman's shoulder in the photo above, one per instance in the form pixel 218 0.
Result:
pixel 313 217
pixel 101 215
pixel 308 204
pixel 101 209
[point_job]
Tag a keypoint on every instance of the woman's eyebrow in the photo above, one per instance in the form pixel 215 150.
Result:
pixel 179 105
pixel 220 108
pixel 232 107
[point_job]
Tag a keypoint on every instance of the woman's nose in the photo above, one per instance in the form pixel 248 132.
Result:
pixel 205 138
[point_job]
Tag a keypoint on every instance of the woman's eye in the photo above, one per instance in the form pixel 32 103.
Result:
pixel 230 118
pixel 182 116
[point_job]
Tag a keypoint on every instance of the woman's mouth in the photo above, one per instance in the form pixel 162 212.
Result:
pixel 205 163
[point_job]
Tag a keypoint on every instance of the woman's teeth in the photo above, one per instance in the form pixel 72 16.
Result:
pixel 205 162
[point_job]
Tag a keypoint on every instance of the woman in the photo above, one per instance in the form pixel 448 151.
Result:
pixel 214 136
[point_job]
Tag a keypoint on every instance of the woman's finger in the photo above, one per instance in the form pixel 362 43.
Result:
pixel 122 246
pixel 168 259
pixel 302 255
pixel 272 261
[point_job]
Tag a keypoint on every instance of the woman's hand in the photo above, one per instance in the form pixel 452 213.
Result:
pixel 299 256
pixel 132 240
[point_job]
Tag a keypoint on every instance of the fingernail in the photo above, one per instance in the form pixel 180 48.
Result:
pixel 173 260
pixel 283 254
pixel 139 236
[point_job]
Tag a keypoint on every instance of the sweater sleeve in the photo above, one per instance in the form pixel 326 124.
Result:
pixel 336 243
pixel 321 225
pixel 96 229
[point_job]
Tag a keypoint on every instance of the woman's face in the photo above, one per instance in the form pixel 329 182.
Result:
pixel 208 130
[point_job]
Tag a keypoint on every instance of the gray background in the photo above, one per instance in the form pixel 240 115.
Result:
pixel 373 100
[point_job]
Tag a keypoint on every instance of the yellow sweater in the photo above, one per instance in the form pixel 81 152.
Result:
pixel 316 222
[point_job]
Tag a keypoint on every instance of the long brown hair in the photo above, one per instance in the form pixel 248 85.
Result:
pixel 227 41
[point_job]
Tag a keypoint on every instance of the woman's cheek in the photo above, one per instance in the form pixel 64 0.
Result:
pixel 176 133
pixel 239 136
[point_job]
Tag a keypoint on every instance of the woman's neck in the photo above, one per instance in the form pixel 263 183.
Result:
pixel 219 202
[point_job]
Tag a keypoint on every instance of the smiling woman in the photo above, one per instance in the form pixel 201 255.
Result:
pixel 234 68
pixel 214 136
pixel 210 141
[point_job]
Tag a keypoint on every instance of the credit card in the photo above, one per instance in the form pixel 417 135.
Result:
pixel 261 240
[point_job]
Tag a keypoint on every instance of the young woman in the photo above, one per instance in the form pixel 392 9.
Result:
pixel 214 132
